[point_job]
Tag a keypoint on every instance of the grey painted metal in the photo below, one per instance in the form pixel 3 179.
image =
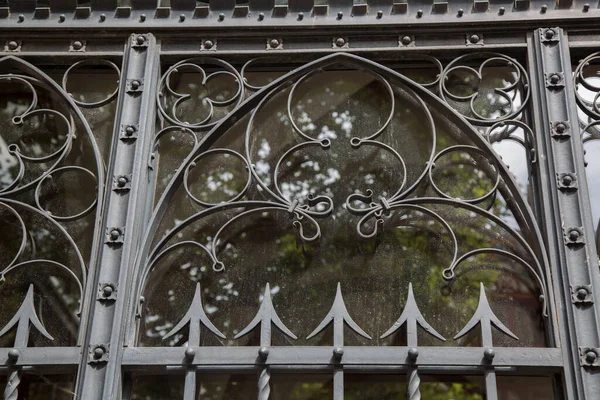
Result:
pixel 121 216
pixel 568 224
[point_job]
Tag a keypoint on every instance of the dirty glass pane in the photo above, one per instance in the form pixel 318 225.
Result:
pixel 157 387
pixel 47 387
pixel 525 388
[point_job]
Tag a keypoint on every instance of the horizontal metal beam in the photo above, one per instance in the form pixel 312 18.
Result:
pixel 40 356
pixel 352 356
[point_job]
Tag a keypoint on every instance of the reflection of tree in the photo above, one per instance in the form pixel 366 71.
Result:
pixel 412 248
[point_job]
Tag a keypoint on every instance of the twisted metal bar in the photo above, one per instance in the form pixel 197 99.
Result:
pixel 264 387
pixel 11 391
pixel 414 383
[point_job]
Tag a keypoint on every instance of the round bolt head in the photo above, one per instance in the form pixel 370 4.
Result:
pixel 586 7
pixel 140 39
pixel 549 33
pixel 208 44
pixel 474 39
pixel 62 18
pixel 77 45
pixel 130 130
pixel 300 16
pixel 591 356
pixel 340 15
pixel 574 234
pixel 460 12
pixel 121 181
pixel 582 293
pixel 13 354
pixel 263 352
pixel 561 128
pixel 340 42
pixel 274 43
pixel 419 13
pixel 338 352
pixel 261 16
pixel 21 18
pixel 142 17
pixel 98 353
pixel 567 180
pixel 12 45
pixel 501 10
pixel 406 40
pixel 114 234
pixel 544 8
pixel 221 17
pixel 102 17
pixel 379 14
pixel 413 353
pixel 107 291
pixel 554 78
pixel 489 354
pixel 190 353
pixel 182 17
pixel 135 84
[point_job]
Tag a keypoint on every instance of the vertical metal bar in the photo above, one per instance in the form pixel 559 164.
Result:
pixel 491 388
pixel 338 383
pixel 100 372
pixel 568 223
pixel 189 392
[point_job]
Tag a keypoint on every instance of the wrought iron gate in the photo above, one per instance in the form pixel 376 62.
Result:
pixel 299 201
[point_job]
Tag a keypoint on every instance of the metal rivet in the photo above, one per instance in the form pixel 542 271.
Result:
pixel 13 354
pixel 340 15
pixel 98 353
pixel 567 180
pixel 140 39
pixel 130 130
pixel 300 16
pixel 221 17
pixel 274 43
pixel 102 17
pixel 586 7
pixel 261 16
pixel 107 291
pixel 574 235
pixel 181 17
pixel 489 354
pixel 114 234
pixel 12 45
pixel 190 353
pixel 142 17
pixel 544 9
pixel 340 42
pixel 406 40
pixel 582 293
pixel 21 18
pixel 379 14
pixel 208 44
pixel 263 353
pixel 338 352
pixel 135 85
pixel 62 18
pixel 77 45
pixel 413 353
pixel 502 10
pixel 419 13
pixel 591 357
pixel 460 12
pixel 554 78
pixel 142 299
pixel 561 128
pixel 474 39
pixel 549 33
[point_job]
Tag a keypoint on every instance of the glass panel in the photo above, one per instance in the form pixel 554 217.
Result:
pixel 525 388
pixel 362 182
pixel 50 161
pixel 157 387
pixel 46 387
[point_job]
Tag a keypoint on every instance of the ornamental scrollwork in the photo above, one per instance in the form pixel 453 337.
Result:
pixel 420 143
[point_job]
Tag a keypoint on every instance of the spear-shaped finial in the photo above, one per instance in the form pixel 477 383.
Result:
pixel 195 316
pixel 338 314
pixel 25 316
pixel 411 315
pixel 486 317
pixel 266 316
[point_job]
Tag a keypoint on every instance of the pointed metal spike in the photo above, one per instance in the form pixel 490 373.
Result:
pixel 266 315
pixel 411 313
pixel 484 315
pixel 195 315
pixel 23 317
pixel 338 314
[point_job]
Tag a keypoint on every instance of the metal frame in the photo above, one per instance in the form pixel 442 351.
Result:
pixel 574 324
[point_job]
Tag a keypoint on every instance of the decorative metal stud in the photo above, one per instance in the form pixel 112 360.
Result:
pixel 573 236
pixel 340 43
pixel 190 354
pixel 460 12
pixel 338 352
pixel 121 183
pixel 129 132
pixel 581 294
pixel 263 353
pixel 567 181
pixel 275 44
pixel 98 353
pixel 489 354
pixel 379 14
pixel 13 46
pixel 501 11
pixel 77 45
pixel 21 18
pixel 139 41
pixel 475 39
pixel 107 292
pixel 209 44
pixel 407 41
pixel 589 356
pixel 586 7
pixel 413 354
pixel 560 129
pixel 135 86
pixel 555 80
pixel 114 235
pixel 549 35
pixel 13 355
